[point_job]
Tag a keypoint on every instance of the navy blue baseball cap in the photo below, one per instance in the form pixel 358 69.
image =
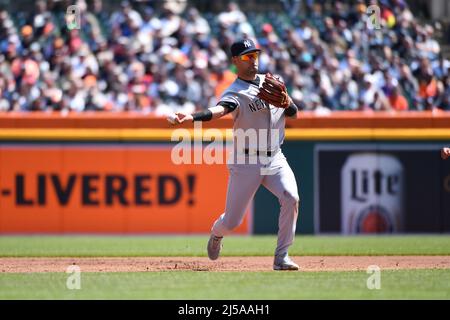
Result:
pixel 242 47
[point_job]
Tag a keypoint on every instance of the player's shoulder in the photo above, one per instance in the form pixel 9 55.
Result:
pixel 234 92
pixel 234 87
pixel 231 93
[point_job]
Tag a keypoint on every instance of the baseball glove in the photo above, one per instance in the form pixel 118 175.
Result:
pixel 274 92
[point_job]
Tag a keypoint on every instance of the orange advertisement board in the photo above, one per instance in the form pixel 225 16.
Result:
pixel 98 188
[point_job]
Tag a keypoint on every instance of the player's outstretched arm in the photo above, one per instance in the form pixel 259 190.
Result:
pixel 206 115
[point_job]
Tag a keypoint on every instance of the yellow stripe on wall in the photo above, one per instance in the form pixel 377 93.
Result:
pixel 166 134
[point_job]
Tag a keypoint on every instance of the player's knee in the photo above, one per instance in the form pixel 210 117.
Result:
pixel 290 198
pixel 231 224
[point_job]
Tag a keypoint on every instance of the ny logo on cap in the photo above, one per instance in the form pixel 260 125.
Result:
pixel 247 43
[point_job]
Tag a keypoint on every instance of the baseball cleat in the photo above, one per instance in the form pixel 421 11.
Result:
pixel 214 247
pixel 284 263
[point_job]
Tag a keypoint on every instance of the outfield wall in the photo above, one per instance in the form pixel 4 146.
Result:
pixel 396 185
pixel 135 120
pixel 107 188
pixel 121 179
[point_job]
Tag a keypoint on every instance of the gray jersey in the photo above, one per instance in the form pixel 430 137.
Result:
pixel 254 113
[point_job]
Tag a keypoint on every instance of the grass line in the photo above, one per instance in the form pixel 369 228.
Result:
pixel 404 284
pixel 140 246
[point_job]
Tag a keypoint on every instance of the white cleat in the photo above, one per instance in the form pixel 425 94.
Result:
pixel 214 247
pixel 284 263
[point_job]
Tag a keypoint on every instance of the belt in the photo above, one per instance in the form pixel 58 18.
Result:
pixel 260 152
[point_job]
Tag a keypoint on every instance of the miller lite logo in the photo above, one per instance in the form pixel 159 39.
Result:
pixel 247 44
pixel 371 194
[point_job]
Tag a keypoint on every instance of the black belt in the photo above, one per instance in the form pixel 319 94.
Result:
pixel 258 152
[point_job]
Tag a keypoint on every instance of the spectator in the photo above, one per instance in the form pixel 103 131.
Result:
pixel 346 95
pixel 197 26
pixel 443 101
pixel 397 101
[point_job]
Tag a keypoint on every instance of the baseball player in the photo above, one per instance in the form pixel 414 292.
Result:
pixel 445 153
pixel 256 102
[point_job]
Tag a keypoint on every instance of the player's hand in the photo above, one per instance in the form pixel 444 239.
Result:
pixel 445 153
pixel 179 117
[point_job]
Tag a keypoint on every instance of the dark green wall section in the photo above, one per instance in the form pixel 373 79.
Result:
pixel 299 155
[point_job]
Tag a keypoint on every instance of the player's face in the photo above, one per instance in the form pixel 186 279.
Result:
pixel 248 63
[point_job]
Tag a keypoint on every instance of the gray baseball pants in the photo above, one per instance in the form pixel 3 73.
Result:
pixel 243 182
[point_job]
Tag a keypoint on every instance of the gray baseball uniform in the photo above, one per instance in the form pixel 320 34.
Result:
pixel 247 169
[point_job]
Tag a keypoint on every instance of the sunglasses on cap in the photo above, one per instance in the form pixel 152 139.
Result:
pixel 250 55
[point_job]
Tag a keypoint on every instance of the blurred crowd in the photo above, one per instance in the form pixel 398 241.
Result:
pixel 173 58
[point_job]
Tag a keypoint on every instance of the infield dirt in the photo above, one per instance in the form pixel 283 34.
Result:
pixel 152 264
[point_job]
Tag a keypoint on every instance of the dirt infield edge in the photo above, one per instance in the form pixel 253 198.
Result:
pixel 223 264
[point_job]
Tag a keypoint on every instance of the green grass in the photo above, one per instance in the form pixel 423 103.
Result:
pixel 405 284
pixel 89 246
